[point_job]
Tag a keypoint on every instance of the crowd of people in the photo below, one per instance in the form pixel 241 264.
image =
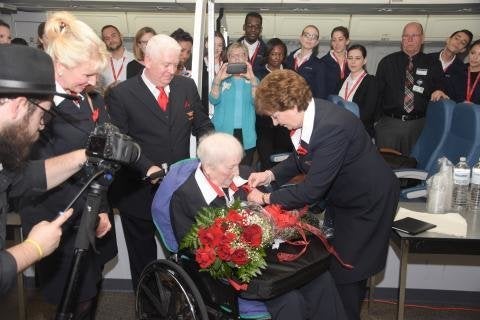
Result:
pixel 277 104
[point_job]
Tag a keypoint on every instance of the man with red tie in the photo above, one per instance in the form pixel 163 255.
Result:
pixel 160 111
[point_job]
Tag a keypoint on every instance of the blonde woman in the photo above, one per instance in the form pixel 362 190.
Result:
pixel 136 66
pixel 78 56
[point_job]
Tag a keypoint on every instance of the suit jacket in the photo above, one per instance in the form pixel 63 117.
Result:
pixel 366 97
pixel 453 73
pixel 63 134
pixel 187 200
pixel 259 59
pixel 314 73
pixel 343 167
pixel 332 74
pixel 164 137
pixel 459 84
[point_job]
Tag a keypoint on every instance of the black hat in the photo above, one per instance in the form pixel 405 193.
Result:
pixel 26 71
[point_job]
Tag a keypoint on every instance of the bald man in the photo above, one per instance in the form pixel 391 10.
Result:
pixel 406 81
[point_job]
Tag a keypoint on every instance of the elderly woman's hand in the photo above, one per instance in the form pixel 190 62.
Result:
pixel 221 75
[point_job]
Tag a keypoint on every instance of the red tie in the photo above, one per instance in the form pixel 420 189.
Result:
pixel 162 99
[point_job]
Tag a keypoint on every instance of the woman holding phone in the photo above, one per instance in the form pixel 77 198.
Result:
pixel 232 95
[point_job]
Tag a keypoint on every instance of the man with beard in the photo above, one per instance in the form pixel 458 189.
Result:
pixel 116 71
pixel 26 88
pixel 256 47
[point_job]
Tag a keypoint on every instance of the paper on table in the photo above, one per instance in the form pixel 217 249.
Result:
pixel 447 223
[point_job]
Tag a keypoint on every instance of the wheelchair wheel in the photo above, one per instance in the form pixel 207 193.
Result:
pixel 165 291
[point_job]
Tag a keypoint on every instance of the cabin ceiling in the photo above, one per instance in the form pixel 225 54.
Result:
pixel 277 7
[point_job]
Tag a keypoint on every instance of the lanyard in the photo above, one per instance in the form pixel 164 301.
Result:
pixel 341 66
pixel 356 83
pixel 471 88
pixel 116 75
pixel 254 56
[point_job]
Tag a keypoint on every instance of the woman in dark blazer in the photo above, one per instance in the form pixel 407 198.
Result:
pixel 216 183
pixel 271 139
pixel 76 67
pixel 305 61
pixel 335 60
pixel 342 167
pixel 360 87
pixel 142 36
pixel 467 84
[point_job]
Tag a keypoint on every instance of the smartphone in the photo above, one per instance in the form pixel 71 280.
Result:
pixel 236 68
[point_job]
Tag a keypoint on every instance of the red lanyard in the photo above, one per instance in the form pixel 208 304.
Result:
pixel 116 75
pixel 220 193
pixel 471 88
pixel 355 85
pixel 341 66
pixel 254 56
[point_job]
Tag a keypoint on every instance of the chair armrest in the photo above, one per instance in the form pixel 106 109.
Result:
pixel 414 192
pixel 411 174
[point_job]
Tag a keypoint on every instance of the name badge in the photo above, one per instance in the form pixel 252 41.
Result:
pixel 422 72
pixel 418 89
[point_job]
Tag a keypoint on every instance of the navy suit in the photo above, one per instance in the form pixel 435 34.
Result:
pixel 459 83
pixel 343 167
pixel 164 137
pixel 260 57
pixel 332 74
pixel 314 73
pixel 59 137
pixel 452 75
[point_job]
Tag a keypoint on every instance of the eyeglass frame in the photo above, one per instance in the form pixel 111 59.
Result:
pixel 48 115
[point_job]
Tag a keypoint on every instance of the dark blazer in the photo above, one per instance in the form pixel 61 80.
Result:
pixel 453 73
pixel 164 137
pixel 459 84
pixel 332 74
pixel 314 73
pixel 259 59
pixel 63 134
pixel 187 200
pixel 344 167
pixel 133 68
pixel 366 97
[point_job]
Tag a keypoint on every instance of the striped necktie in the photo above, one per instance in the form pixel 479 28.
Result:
pixel 408 99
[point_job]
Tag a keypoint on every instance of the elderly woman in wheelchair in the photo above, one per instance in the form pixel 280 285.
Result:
pixel 216 180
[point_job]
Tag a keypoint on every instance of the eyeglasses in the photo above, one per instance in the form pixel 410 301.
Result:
pixel 143 42
pixel 310 36
pixel 48 115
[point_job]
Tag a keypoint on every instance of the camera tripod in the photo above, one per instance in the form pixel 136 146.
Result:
pixel 98 187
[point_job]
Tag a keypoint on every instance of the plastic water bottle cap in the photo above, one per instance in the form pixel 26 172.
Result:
pixel 463 159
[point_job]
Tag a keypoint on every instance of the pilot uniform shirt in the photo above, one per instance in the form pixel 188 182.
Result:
pixel 391 81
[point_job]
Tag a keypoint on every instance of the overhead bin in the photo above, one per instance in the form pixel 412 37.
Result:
pixel 96 20
pixel 440 27
pixel 381 28
pixel 290 26
pixel 164 23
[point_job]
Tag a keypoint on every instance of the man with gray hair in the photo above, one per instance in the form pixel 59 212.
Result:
pixel 160 111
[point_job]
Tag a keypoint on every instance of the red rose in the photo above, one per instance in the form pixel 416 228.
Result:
pixel 252 235
pixel 205 256
pixel 239 257
pixel 210 236
pixel 234 216
pixel 283 219
pixel 228 237
pixel 224 252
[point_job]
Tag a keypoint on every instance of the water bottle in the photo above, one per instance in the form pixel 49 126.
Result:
pixel 461 180
pixel 474 194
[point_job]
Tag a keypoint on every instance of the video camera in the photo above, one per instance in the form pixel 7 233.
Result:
pixel 106 142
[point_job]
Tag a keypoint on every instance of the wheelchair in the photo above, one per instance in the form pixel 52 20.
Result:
pixel 172 288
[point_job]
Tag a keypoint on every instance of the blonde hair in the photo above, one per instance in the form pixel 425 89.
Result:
pixel 137 51
pixel 237 45
pixel 72 42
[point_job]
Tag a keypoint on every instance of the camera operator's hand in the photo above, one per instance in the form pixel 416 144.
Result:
pixel 104 225
pixel 152 170
pixel 47 234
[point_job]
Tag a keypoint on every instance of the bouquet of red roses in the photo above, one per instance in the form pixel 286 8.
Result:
pixel 230 242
